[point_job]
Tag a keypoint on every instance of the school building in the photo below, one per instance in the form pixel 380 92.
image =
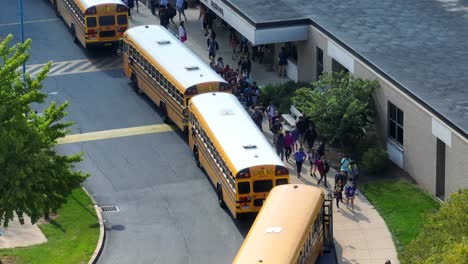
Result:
pixel 417 50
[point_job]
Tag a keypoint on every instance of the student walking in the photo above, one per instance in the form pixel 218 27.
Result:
pixel 130 5
pixel 345 164
pixel 341 177
pixel 182 32
pixel 212 47
pixel 300 156
pixel 181 5
pixel 338 194
pixel 279 145
pixel 320 164
pixel 313 157
pixel 350 192
pixel 288 144
pixel 295 135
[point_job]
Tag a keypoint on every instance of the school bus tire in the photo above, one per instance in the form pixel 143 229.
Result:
pixel 219 191
pixel 196 156
pixel 135 85
pixel 73 31
pixel 163 109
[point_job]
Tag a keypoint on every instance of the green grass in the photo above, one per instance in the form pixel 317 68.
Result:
pixel 72 237
pixel 402 205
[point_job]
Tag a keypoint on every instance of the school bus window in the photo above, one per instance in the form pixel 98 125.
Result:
pixel 281 181
pixel 122 19
pixel 91 22
pixel 262 186
pixel 243 187
pixel 106 21
pixel 158 77
pixel 153 73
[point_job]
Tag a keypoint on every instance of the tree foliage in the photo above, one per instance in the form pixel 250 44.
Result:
pixel 339 105
pixel 444 236
pixel 34 178
pixel 280 95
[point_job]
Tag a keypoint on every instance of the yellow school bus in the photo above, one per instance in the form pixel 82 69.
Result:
pixel 94 22
pixel 237 158
pixel 169 73
pixel 290 228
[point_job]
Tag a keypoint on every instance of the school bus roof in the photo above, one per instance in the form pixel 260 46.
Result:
pixel 281 224
pixel 85 4
pixel 175 59
pixel 236 135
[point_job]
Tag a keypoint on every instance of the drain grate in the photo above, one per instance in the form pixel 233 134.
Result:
pixel 110 209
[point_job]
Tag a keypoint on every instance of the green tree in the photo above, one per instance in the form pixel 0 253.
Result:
pixel 34 178
pixel 339 104
pixel 444 236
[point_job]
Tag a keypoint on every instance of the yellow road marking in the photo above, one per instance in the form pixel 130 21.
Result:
pixel 115 133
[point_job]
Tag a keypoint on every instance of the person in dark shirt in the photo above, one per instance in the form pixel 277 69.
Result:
pixel 279 145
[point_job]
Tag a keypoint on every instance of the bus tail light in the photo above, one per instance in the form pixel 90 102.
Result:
pixel 243 174
pixel 244 202
pixel 91 11
pixel 91 34
pixel 121 8
pixel 280 170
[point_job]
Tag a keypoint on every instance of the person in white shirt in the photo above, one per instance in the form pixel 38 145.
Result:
pixel 182 32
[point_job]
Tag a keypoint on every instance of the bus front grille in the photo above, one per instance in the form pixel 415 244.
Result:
pixel 258 202
pixel 107 34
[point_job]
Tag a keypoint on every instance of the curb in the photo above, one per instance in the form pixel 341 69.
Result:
pixel 102 232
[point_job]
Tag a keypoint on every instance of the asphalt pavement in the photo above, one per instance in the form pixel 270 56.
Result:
pixel 168 211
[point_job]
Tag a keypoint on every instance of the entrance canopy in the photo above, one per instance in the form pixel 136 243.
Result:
pixel 267 28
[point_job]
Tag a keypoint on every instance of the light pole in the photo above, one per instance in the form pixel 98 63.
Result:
pixel 22 32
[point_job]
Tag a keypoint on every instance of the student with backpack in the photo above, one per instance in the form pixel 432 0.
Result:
pixel 350 192
pixel 279 145
pixel 288 144
pixel 320 165
pixel 338 194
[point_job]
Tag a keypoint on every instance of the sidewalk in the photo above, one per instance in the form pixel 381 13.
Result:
pixel 196 41
pixel 17 235
pixel 360 237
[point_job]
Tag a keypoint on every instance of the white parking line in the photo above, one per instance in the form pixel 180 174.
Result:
pixel 29 22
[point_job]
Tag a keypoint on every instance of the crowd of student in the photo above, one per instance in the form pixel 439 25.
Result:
pixel 289 146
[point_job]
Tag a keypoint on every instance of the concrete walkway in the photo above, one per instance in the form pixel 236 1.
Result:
pixel 360 237
pixel 17 235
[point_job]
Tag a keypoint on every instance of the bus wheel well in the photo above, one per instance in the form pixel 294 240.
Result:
pixel 163 109
pixel 135 85
pixel 73 31
pixel 219 191
pixel 196 156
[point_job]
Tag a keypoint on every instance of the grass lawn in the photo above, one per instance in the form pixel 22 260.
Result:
pixel 402 205
pixel 72 236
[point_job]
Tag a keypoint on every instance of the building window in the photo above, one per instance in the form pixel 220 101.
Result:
pixel 395 123
pixel 291 50
pixel 338 67
pixel 319 56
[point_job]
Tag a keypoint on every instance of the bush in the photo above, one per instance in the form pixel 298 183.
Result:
pixel 280 95
pixel 375 159
pixel 444 236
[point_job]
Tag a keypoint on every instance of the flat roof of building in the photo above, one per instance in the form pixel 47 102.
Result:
pixel 419 45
